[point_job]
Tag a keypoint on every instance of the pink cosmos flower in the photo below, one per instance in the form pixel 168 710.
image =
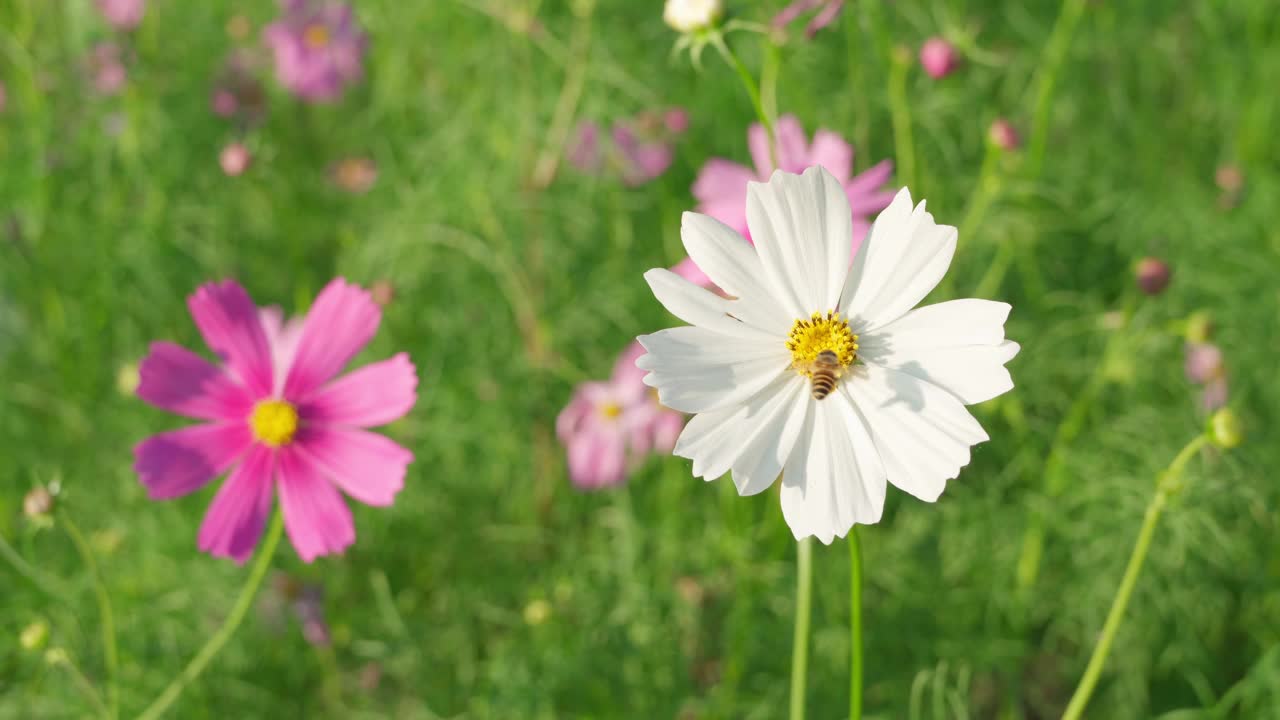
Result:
pixel 828 11
pixel 106 67
pixel 319 50
pixel 939 57
pixel 122 14
pixel 721 185
pixel 277 419
pixel 638 149
pixel 609 427
pixel 1205 367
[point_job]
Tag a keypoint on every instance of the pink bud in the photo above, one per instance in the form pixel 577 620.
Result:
pixel 1204 362
pixel 1153 275
pixel 1004 136
pixel 224 103
pixel 938 57
pixel 677 120
pixel 235 159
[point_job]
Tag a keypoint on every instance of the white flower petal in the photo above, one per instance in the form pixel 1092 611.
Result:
pixel 698 370
pixel 904 256
pixel 957 345
pixel 719 440
pixel 766 449
pixel 802 228
pixel 701 307
pixel 729 260
pixel 922 432
pixel 806 482
pixel 860 477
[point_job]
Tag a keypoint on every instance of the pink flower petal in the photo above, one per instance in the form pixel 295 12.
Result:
pixel 375 394
pixel 870 180
pixel 597 458
pixel 690 271
pixel 367 466
pixel 342 321
pixel 229 322
pixel 315 515
pixel 283 336
pixel 573 417
pixel 792 146
pixel 721 179
pixel 175 463
pixel 831 152
pixel 173 378
pixel 666 429
pixel 236 516
pixel 628 380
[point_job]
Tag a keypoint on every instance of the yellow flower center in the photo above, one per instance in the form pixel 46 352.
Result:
pixel 274 422
pixel 611 410
pixel 316 36
pixel 821 332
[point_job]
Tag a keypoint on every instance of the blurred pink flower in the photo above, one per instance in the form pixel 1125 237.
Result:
pixel 122 14
pixel 639 160
pixel 319 50
pixel 609 427
pixel 939 57
pixel 234 159
pixel 721 185
pixel 355 174
pixel 828 10
pixel 277 419
pixel 638 149
pixel 237 91
pixel 106 68
pixel 1204 366
pixel 1004 135
pixel 584 151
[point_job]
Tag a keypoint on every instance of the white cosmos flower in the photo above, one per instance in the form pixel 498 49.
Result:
pixel 897 412
pixel 686 16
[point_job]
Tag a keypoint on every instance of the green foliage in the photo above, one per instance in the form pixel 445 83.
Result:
pixel 669 597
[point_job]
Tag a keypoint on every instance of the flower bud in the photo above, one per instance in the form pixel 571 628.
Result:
pixel 38 503
pixel 383 292
pixel 34 636
pixel 1152 275
pixel 1225 429
pixel 128 379
pixel 1199 328
pixel 234 159
pixel 939 57
pixel 1003 135
pixel 537 612
pixel 688 16
pixel 1203 363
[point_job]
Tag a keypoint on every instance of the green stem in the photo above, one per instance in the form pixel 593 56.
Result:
pixel 800 645
pixel 83 683
pixel 753 91
pixel 47 584
pixel 1165 487
pixel 224 633
pixel 855 625
pixel 109 648
pixel 900 114
pixel 1054 54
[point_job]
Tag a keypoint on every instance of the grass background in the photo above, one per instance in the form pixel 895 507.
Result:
pixel 668 597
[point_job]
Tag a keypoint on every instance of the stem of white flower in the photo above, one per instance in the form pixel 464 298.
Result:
pixel 800 644
pixel 855 625
pixel 753 91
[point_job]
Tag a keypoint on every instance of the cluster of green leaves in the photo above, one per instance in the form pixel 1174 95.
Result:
pixel 492 589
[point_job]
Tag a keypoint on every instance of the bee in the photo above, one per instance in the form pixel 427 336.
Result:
pixel 824 371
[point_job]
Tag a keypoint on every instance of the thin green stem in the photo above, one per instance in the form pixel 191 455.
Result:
pixel 47 584
pixel 1165 487
pixel 109 648
pixel 1054 53
pixel 82 682
pixel 566 106
pixel 753 91
pixel 800 644
pixel 900 115
pixel 855 625
pixel 229 626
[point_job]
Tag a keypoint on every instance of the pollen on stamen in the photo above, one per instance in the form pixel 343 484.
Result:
pixel 274 422
pixel 819 332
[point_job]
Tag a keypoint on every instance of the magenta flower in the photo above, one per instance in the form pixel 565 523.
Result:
pixel 318 50
pixel 638 149
pixel 106 68
pixel 639 160
pixel 277 419
pixel 721 185
pixel 828 10
pixel 122 14
pixel 609 427
pixel 1205 367
pixel 939 57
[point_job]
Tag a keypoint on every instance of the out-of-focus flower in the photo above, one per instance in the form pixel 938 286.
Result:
pixel 771 375
pixel 278 417
pixel 1152 275
pixel 319 49
pixel 235 159
pixel 123 14
pixel 370 676
pixel 638 149
pixel 237 91
pixel 1231 182
pixel 1003 135
pixel 38 503
pixel 939 57
pixel 106 68
pixel 354 174
pixel 1199 327
pixel 688 16
pixel 537 612
pixel 721 185
pixel 383 292
pixel 828 10
pixel 1204 366
pixel 239 27
pixel 609 427
pixel 309 607
pixel 34 636
pixel 1225 429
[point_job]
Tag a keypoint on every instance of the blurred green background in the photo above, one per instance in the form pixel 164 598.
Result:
pixel 492 588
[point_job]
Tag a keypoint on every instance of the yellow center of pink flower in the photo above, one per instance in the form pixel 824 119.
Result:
pixel 316 36
pixel 611 410
pixel 821 332
pixel 274 422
